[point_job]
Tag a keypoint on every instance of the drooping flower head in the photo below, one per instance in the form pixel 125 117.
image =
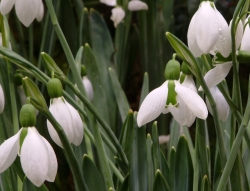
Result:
pixel 87 83
pixel 26 10
pixel 65 114
pixel 38 158
pixel 183 102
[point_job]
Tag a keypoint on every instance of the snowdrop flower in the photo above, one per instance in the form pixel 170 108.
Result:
pixel 26 10
pixel 245 45
pixel 137 5
pixel 65 114
pixel 173 97
pixel 208 30
pixel 88 87
pixel 38 158
pixel 2 99
pixel 214 76
pixel 221 104
pixel 118 13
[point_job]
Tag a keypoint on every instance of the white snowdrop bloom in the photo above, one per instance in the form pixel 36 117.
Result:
pixel 26 10
pixel 117 15
pixel 245 45
pixel 221 104
pixel 2 99
pixel 208 29
pixel 88 87
pixel 214 76
pixel 137 5
pixel 109 2
pixel 21 94
pixel 160 100
pixel 38 158
pixel 68 118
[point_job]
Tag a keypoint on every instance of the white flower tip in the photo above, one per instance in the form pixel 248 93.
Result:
pixel 137 5
pixel 109 2
pixel 117 15
pixel 40 13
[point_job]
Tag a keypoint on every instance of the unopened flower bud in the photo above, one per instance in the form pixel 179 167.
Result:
pixel 83 70
pixel 18 79
pixel 243 56
pixel 185 69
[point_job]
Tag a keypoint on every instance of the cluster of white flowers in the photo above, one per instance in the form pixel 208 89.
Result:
pixel 26 10
pixel 118 13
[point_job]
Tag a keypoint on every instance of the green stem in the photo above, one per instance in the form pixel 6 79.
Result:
pixel 235 148
pixel 12 93
pixel 31 43
pixel 65 46
pixel 75 168
pixel 102 156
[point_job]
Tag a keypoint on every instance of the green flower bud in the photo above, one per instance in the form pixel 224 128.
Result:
pixel 54 88
pixel 18 78
pixel 172 70
pixel 83 70
pixel 171 94
pixel 27 116
pixel 185 69
pixel 243 56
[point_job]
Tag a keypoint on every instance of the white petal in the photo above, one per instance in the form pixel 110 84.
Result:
pixel 164 139
pixel 2 99
pixel 192 44
pixel 40 12
pixel 8 151
pixel 78 125
pixel 34 157
pixel 27 10
pixel 52 168
pixel 117 15
pixel 137 5
pixel 189 83
pixel 206 28
pixel 153 105
pixel 62 114
pixel 221 104
pixel 109 2
pixel 21 94
pixel 6 6
pixel 217 74
pixel 245 45
pixel 239 34
pixel 223 43
pixel 182 114
pixel 88 87
pixel 193 101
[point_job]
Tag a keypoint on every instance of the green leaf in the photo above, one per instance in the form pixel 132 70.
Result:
pixel 160 184
pixel 238 177
pixel 183 167
pixel 103 50
pixel 138 162
pixel 94 74
pixel 165 168
pixel 27 185
pixel 205 186
pixel 120 96
pixel 156 147
pixel 150 162
pixel 145 87
pixel 172 168
pixel 125 184
pixel 92 175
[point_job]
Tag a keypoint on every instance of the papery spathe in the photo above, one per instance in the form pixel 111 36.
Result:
pixel 2 99
pixel 88 87
pixel 38 158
